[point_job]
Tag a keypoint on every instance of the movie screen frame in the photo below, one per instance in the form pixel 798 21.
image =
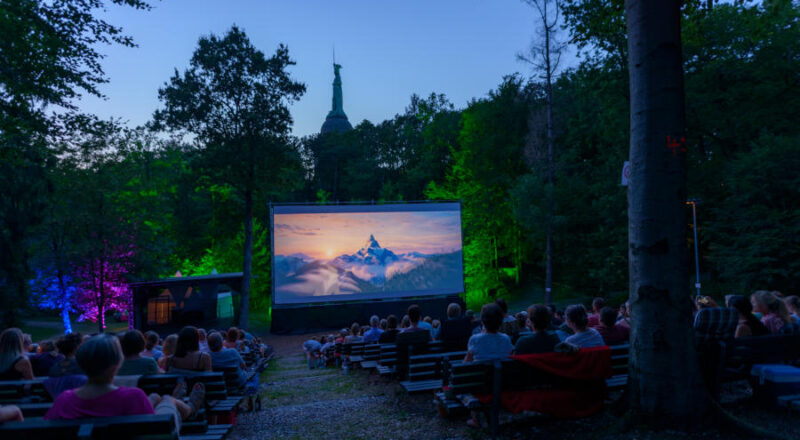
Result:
pixel 279 300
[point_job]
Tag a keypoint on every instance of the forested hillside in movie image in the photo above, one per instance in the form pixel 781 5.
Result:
pixel 142 203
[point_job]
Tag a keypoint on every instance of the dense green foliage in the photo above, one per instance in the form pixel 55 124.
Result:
pixel 183 202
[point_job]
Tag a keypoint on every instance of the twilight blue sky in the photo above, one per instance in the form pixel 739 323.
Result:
pixel 389 50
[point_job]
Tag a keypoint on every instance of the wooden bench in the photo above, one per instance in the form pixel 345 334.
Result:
pixel 17 391
pixel 619 366
pixel 234 388
pixel 165 383
pixel 371 355
pixel 151 427
pixel 387 359
pixel 425 371
pixel 737 356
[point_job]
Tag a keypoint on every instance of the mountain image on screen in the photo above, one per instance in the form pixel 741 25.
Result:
pixel 371 268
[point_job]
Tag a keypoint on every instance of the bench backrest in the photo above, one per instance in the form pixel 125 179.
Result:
pixel 126 427
pixel 165 383
pixel 762 349
pixel 467 378
pixel 12 391
pixel 388 356
pixel 619 359
pixel 430 366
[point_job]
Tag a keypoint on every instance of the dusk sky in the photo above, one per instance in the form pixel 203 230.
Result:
pixel 389 50
pixel 326 236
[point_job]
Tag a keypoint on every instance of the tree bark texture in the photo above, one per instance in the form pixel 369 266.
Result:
pixel 666 387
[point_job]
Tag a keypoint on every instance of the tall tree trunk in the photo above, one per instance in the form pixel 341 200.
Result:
pixel 665 383
pixel 244 309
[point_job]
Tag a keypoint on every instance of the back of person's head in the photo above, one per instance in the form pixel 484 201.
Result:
pixel 576 314
pixel 242 332
pixel 406 322
pixel 470 314
pixel 170 342
pixel 11 347
pixel 99 354
pixel 502 304
pixel 540 316
pixel 354 329
pixel 132 343
pixel 69 343
pixel 428 319
pixel 453 310
pixel 391 321
pixel 772 304
pixel 597 304
pixel 492 317
pixel 436 323
pixel 27 341
pixel 552 308
pixel 792 303
pixel 188 341
pixel 214 341
pixel 47 346
pixel 414 313
pixel 151 340
pixel 201 334
pixel 522 318
pixel 233 334
pixel 384 324
pixel 374 321
pixel 608 316
pixel 741 304
pixel 706 302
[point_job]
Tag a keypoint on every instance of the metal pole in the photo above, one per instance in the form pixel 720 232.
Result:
pixel 696 254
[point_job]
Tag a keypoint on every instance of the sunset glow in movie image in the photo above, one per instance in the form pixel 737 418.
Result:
pixel 352 255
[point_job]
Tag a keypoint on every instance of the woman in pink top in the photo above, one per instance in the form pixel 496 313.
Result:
pixel 100 357
pixel 774 314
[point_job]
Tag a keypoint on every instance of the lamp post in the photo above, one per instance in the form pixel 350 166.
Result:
pixel 694 203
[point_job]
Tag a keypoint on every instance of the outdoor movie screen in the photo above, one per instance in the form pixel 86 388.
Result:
pixel 355 252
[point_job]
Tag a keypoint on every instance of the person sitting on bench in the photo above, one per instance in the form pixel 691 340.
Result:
pixel 151 349
pixel 414 316
pixel 584 337
pixel 793 305
pixel 167 350
pixel 188 357
pixel 222 357
pixel 390 335
pixel 593 320
pixel 46 358
pixel 542 340
pixel 232 338
pixel 748 324
pixel 100 357
pixel 774 314
pixel 374 332
pixel 14 363
pixel 456 329
pixel 612 332
pixel 355 334
pixel 133 343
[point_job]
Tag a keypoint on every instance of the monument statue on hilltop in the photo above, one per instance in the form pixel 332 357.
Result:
pixel 336 121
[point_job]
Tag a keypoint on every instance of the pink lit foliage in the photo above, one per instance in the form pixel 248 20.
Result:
pixel 102 285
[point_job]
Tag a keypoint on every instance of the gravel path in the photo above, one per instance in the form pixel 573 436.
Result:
pixel 299 403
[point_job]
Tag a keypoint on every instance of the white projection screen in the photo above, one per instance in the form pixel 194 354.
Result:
pixel 324 253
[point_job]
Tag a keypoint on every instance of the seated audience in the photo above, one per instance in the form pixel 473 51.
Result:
pixel 542 340
pixel 188 357
pixel 612 332
pixel 374 332
pixel 232 338
pixel 67 345
pixel 489 344
pixel 312 349
pixel 624 315
pixel 14 363
pixel 748 324
pixel 167 350
pixel 133 343
pixel 793 305
pixel 775 315
pixel 437 327
pixel 10 413
pixel 414 315
pixel 390 335
pixel 593 320
pixel 456 329
pixel 201 335
pixel 427 324
pixel 27 344
pixel 405 322
pixel 585 336
pixel 384 324
pixel 46 358
pixel 222 357
pixel 713 324
pixel 555 320
pixel 355 333
pixel 151 349
pixel 101 357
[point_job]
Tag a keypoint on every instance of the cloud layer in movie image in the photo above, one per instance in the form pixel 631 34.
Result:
pixel 358 255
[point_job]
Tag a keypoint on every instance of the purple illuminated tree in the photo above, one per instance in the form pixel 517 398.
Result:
pixel 102 284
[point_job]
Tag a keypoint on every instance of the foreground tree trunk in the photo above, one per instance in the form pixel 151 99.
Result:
pixel 244 309
pixel 666 388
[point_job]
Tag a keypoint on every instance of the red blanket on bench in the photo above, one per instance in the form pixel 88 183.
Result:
pixel 589 367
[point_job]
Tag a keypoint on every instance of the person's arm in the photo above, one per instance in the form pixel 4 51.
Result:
pixel 205 361
pixel 25 368
pixel 468 357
